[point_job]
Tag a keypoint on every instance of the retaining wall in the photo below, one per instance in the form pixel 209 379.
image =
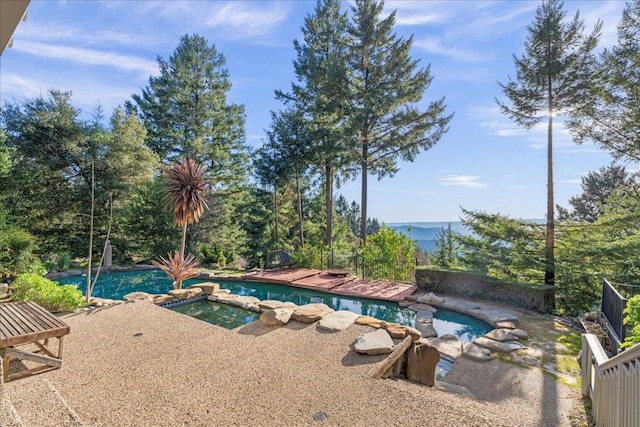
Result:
pixel 473 285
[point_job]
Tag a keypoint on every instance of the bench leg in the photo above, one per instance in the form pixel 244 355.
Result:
pixel 5 365
pixel 60 346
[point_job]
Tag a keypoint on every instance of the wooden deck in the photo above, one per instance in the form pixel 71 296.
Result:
pixel 24 323
pixel 321 280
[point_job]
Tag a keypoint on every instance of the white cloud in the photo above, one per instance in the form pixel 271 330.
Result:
pixel 438 46
pixel 463 181
pixel 20 87
pixel 92 36
pixel 418 13
pixel 89 57
pixel 248 20
pixel 572 181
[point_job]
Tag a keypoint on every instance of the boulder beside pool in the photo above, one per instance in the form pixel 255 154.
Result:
pixel 374 343
pixel 277 316
pixel 310 313
pixel 337 321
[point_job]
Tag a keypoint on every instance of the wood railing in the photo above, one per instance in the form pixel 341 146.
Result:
pixel 612 384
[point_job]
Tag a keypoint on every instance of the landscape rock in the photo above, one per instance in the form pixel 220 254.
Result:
pixel 4 290
pixel 253 307
pixel 270 304
pixel 424 317
pixel 277 316
pixel 224 298
pixel 207 287
pixel 216 294
pixel 163 299
pixel 431 299
pixel 449 346
pixel 401 331
pixel 73 272
pixel 501 335
pixel 422 307
pixel 138 296
pixel 505 324
pixel 337 321
pixel 520 334
pixel 492 345
pixel 476 353
pixel 181 294
pixel 492 317
pixel 427 330
pixel 242 301
pixel 404 304
pixel 374 343
pixel 370 321
pixel 310 313
pixel 461 306
pixel 103 302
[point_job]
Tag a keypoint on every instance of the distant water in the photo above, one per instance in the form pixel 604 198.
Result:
pixel 426 233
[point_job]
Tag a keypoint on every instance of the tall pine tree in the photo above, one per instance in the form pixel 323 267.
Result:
pixel 611 117
pixel 187 115
pixel 320 93
pixel 552 77
pixel 385 89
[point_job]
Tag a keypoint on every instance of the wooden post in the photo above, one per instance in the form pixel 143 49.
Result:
pixel 380 369
pixel 421 363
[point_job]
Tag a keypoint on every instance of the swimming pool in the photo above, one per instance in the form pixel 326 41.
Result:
pixel 116 285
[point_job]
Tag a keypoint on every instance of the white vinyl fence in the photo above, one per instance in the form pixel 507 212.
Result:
pixel 612 384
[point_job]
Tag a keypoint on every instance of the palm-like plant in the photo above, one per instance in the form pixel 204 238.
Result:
pixel 186 191
pixel 178 268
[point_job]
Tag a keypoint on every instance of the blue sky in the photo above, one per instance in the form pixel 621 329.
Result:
pixel 104 51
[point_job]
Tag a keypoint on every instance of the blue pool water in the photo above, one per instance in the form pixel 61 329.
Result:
pixel 116 285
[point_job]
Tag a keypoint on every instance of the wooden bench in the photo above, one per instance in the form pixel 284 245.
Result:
pixel 23 323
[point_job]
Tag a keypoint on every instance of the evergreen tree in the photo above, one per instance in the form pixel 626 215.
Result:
pixel 385 89
pixel 596 189
pixel 610 117
pixel 288 139
pixel 445 253
pixel 552 77
pixel 187 115
pixel 320 94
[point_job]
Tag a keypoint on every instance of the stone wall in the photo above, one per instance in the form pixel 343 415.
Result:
pixel 473 285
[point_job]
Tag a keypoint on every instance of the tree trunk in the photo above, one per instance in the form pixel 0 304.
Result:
pixel 93 207
pixel 549 272
pixel 299 196
pixel 328 190
pixel 184 240
pixel 363 200
pixel 275 214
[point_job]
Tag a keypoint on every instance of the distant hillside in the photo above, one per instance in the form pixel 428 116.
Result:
pixel 426 233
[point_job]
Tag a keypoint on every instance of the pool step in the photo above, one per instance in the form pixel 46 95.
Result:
pixel 21 396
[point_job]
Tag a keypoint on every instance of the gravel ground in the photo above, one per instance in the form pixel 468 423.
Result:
pixel 184 372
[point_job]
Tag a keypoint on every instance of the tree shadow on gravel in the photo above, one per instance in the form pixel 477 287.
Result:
pixel 258 328
pixel 352 358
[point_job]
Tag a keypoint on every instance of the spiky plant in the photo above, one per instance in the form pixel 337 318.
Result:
pixel 186 192
pixel 178 268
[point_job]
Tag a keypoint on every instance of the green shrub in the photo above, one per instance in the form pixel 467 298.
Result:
pixel 16 253
pixel 60 262
pixel 46 293
pixel 632 318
